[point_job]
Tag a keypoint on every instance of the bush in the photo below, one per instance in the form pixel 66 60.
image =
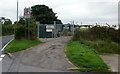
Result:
pixel 27 31
pixel 103 39
pixel 98 33
pixel 7 29
pixel 20 32
pixel 103 46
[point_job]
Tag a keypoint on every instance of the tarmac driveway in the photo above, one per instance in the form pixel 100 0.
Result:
pixel 46 57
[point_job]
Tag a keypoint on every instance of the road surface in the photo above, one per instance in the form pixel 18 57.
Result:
pixel 46 57
pixel 4 40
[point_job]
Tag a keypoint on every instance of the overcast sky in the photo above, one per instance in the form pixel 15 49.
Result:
pixel 85 11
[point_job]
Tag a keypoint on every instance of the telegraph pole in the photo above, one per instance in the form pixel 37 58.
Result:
pixel 17 10
pixel 16 17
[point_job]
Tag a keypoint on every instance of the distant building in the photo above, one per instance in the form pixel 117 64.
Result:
pixel 84 26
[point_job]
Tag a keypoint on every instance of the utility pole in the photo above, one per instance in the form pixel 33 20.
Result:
pixel 17 10
pixel 16 17
pixel 55 29
pixel 73 27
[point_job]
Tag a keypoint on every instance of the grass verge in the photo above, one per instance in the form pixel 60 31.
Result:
pixel 85 57
pixel 18 45
pixel 103 47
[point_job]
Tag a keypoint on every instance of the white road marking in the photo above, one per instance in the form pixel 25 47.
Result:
pixel 2 56
pixel 1 59
pixel 6 45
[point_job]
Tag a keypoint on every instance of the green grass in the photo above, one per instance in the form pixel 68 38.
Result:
pixel 18 45
pixel 103 47
pixel 85 57
pixel 92 70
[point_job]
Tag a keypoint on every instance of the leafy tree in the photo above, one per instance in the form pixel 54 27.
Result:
pixel 44 14
pixel 8 22
pixel 27 31
pixel 3 18
pixel 7 27
pixel 58 21
pixel 15 22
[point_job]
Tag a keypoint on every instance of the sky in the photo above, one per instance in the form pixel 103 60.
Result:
pixel 79 11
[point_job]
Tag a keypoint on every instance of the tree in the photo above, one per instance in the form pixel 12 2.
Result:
pixel 7 27
pixel 27 31
pixel 5 20
pixel 2 18
pixel 44 14
pixel 8 22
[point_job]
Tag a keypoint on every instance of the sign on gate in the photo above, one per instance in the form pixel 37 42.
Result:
pixel 49 28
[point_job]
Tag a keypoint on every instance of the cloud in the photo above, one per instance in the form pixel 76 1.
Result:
pixel 87 11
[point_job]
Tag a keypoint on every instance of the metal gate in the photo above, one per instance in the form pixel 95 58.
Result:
pixel 43 33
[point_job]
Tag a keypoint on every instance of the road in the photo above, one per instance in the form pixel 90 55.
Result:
pixel 46 57
pixel 4 40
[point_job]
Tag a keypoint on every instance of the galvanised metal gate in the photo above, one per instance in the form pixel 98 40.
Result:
pixel 43 33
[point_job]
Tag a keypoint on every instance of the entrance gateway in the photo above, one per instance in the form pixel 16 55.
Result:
pixel 53 30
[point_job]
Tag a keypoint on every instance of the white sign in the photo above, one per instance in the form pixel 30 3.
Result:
pixel 66 27
pixel 48 30
pixel 50 27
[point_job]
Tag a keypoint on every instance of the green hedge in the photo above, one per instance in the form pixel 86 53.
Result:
pixel 7 29
pixel 98 33
pixel 26 31
pixel 103 39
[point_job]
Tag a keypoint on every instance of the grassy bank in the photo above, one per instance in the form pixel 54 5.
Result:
pixel 104 40
pixel 102 46
pixel 18 45
pixel 85 57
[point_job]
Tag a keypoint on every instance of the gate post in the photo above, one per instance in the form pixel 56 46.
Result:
pixel 38 28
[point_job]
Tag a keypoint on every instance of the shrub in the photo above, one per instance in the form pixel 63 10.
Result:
pixel 98 33
pixel 103 46
pixel 7 29
pixel 20 32
pixel 103 39
pixel 27 31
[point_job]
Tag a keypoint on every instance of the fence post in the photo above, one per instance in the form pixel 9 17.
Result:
pixel 38 28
